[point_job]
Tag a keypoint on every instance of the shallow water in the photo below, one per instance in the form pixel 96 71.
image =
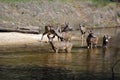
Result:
pixel 80 64
pixel 77 65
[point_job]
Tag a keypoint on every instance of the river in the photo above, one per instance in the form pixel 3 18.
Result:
pixel 80 64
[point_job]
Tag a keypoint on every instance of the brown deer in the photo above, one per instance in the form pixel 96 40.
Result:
pixel 91 40
pixel 83 31
pixel 66 28
pixel 56 32
pixel 67 36
pixel 106 40
pixel 51 30
pixel 61 45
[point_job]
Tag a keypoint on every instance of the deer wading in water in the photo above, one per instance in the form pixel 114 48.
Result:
pixel 91 40
pixel 60 46
pixel 106 40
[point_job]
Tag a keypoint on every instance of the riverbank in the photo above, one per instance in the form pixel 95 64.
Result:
pixel 13 41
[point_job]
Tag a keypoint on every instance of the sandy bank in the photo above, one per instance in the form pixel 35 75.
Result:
pixel 20 38
pixel 13 41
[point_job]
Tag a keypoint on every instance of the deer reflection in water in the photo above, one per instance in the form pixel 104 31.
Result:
pixel 58 59
pixel 91 60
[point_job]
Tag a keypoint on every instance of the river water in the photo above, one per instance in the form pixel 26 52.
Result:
pixel 80 64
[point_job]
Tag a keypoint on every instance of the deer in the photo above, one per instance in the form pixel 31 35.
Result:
pixel 51 30
pixel 106 40
pixel 56 32
pixel 83 31
pixel 61 45
pixel 91 40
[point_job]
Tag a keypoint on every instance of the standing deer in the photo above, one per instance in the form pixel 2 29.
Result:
pixel 83 32
pixel 61 45
pixel 106 39
pixel 91 40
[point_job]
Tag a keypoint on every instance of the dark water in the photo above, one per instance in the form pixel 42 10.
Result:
pixel 80 64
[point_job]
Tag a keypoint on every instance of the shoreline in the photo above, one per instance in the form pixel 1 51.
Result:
pixel 14 41
pixel 21 42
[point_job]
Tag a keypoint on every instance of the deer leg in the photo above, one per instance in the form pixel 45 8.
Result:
pixel 43 35
pixel 49 38
pixel 56 51
pixel 87 44
pixel 57 34
pixel 58 38
pixel 91 45
pixel 66 50
pixel 95 45
pixel 82 39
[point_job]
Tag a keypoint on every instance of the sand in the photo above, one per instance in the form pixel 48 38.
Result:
pixel 14 41
pixel 20 38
